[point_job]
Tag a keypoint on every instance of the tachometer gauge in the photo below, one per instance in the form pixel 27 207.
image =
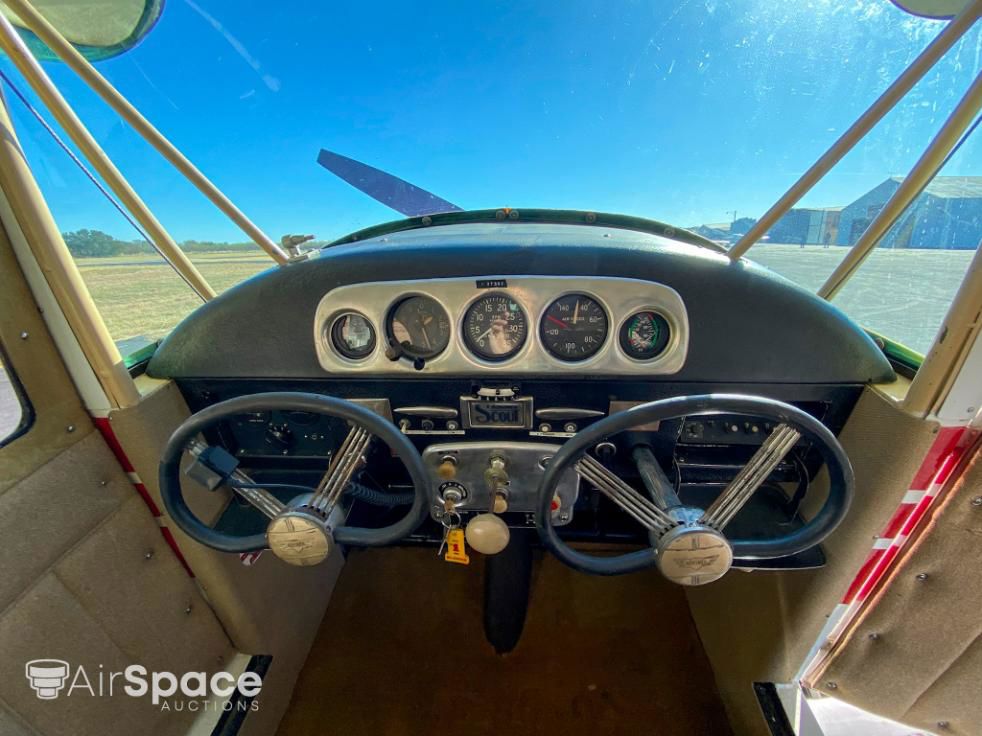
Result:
pixel 420 326
pixel 574 327
pixel 644 335
pixel 495 327
pixel 352 335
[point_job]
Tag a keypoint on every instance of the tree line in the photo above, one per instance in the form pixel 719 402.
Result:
pixel 87 243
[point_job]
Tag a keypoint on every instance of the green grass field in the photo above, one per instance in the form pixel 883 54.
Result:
pixel 143 296
pixel 900 293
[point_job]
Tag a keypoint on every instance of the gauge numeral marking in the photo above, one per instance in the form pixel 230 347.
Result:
pixel 574 327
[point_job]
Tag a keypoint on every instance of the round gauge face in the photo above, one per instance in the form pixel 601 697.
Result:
pixel 352 335
pixel 574 327
pixel 495 327
pixel 420 326
pixel 644 335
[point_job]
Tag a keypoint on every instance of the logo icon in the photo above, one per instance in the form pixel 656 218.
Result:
pixel 698 563
pixel 47 677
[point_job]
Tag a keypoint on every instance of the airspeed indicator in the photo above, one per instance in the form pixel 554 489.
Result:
pixel 574 327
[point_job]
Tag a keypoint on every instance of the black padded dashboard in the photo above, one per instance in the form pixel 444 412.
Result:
pixel 747 325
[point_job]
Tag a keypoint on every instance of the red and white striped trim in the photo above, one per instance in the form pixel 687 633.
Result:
pixel 105 428
pixel 935 471
pixel 250 558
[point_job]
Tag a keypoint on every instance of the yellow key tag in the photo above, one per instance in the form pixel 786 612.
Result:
pixel 456 547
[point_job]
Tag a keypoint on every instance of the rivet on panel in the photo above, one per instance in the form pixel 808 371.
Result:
pixel 148 554
pixel 187 611
pixel 874 636
pixel 831 685
pixel 70 428
pixel 103 483
pixel 977 501
pixel 943 724
pixel 24 335
pixel 922 576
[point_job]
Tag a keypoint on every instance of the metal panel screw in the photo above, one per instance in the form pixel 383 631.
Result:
pixel 943 724
pixel 148 554
pixel 70 428
pixel 187 611
pixel 922 576
pixel 831 685
pixel 874 636
pixel 24 335
pixel 977 501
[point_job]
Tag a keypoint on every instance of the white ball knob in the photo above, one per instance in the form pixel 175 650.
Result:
pixel 487 533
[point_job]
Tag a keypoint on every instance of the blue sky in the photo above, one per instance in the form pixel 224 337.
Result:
pixel 681 112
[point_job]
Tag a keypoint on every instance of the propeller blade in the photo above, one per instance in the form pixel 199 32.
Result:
pixel 390 190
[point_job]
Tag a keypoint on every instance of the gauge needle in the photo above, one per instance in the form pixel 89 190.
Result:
pixel 557 321
pixel 576 312
pixel 485 334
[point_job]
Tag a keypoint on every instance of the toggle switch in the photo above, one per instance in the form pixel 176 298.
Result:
pixel 496 476
pixel 500 502
pixel 447 469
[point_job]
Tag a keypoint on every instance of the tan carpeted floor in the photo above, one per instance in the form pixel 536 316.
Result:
pixel 401 652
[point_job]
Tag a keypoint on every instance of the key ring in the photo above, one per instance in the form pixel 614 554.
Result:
pixel 455 524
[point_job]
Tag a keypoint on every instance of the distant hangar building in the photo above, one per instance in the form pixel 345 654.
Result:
pixel 947 214
pixel 807 225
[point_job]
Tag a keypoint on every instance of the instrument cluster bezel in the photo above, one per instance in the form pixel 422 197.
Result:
pixel 620 299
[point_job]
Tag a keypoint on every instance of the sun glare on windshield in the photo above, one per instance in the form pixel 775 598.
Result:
pixel 326 120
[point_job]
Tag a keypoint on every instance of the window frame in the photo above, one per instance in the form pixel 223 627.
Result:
pixel 27 413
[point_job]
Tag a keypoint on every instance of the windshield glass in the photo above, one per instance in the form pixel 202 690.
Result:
pixel 699 114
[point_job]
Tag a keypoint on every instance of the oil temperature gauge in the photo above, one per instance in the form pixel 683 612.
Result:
pixel 644 335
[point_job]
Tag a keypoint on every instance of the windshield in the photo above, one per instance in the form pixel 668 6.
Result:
pixel 699 114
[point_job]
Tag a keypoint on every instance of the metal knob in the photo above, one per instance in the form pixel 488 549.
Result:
pixel 487 533
pixel 447 469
